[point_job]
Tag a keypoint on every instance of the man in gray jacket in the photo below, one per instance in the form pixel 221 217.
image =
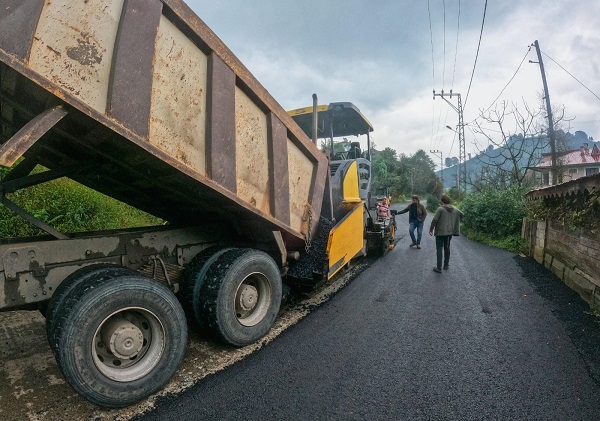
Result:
pixel 445 223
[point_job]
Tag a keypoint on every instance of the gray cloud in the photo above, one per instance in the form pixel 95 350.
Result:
pixel 379 56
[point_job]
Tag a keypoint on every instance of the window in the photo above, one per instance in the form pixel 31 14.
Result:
pixel 593 170
pixel 572 171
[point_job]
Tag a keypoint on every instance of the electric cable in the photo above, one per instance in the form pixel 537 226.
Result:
pixel 476 55
pixel 456 48
pixel 581 83
pixel 432 72
pixel 444 66
pixel 505 86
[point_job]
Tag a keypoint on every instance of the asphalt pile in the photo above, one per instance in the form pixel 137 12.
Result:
pixel 315 261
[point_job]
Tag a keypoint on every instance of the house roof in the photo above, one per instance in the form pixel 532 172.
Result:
pixel 576 157
pixel 579 185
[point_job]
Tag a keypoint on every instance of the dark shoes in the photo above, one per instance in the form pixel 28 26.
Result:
pixel 437 270
pixel 418 246
pixel 446 267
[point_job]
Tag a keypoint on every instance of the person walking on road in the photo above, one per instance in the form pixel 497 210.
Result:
pixel 445 223
pixel 416 217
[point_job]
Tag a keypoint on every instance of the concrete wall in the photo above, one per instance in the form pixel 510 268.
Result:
pixel 573 256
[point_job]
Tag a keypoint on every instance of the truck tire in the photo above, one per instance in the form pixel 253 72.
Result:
pixel 121 340
pixel 110 270
pixel 241 296
pixel 191 284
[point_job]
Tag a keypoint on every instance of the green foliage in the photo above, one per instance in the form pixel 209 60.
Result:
pixel 433 202
pixel 405 175
pixel 513 243
pixel 574 211
pixel 69 207
pixel 454 193
pixel 498 214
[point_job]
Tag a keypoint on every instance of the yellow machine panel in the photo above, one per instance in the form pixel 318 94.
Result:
pixel 351 185
pixel 346 239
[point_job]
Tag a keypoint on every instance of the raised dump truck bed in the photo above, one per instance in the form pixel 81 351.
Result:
pixel 140 100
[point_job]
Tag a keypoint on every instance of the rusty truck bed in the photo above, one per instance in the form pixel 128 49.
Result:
pixel 140 100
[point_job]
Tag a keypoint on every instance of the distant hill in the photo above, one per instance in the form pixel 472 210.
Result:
pixel 530 150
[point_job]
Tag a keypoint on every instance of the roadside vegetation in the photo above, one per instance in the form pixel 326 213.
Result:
pixel 495 217
pixel 405 175
pixel 69 207
pixel 575 211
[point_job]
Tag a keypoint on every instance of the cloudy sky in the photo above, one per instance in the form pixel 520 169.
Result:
pixel 387 56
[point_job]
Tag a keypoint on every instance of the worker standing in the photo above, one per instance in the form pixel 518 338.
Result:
pixel 445 223
pixel 416 218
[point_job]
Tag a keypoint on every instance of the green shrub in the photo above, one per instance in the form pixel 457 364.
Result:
pixel 513 243
pixel 432 204
pixel 69 207
pixel 498 214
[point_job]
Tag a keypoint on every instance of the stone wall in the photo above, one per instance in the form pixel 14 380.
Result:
pixel 573 256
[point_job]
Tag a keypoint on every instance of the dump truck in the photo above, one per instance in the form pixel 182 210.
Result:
pixel 141 101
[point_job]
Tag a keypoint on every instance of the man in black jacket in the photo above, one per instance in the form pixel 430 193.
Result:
pixel 416 217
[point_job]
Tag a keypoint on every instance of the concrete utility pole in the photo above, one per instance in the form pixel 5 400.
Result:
pixel 439 153
pixel 551 135
pixel 462 156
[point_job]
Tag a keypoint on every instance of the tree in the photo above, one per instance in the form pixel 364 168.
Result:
pixel 405 175
pixel 516 143
pixel 418 173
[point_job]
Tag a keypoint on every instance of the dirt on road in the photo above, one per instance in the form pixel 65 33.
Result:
pixel 33 387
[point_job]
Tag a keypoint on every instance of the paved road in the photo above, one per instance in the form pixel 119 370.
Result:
pixel 493 338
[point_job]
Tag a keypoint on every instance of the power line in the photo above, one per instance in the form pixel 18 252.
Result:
pixel 505 86
pixel 477 54
pixel 444 67
pixel 432 71
pixel 581 83
pixel 456 48
pixel 431 38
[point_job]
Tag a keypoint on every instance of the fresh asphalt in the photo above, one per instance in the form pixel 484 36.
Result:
pixel 496 337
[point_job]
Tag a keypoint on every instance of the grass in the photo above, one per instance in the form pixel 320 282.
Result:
pixel 512 243
pixel 70 207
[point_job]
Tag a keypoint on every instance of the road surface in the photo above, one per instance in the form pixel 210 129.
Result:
pixel 496 337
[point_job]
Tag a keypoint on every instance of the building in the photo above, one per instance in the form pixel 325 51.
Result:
pixel 571 165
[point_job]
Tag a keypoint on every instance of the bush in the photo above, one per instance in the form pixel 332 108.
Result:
pixel 498 214
pixel 433 203
pixel 512 243
pixel 69 207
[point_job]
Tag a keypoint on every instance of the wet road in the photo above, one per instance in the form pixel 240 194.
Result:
pixel 493 338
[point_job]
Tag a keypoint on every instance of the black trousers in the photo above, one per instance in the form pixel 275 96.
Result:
pixel 442 243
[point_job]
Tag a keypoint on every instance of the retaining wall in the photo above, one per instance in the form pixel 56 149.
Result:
pixel 573 256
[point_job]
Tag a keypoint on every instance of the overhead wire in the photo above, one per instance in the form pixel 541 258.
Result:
pixel 581 83
pixel 439 136
pixel 476 55
pixel 456 48
pixel 444 66
pixel 432 72
pixel 455 56
pixel 505 86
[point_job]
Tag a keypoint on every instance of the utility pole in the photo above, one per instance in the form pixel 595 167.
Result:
pixel 439 153
pixel 462 156
pixel 551 135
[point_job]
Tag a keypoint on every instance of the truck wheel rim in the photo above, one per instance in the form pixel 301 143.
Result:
pixel 128 344
pixel 252 299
